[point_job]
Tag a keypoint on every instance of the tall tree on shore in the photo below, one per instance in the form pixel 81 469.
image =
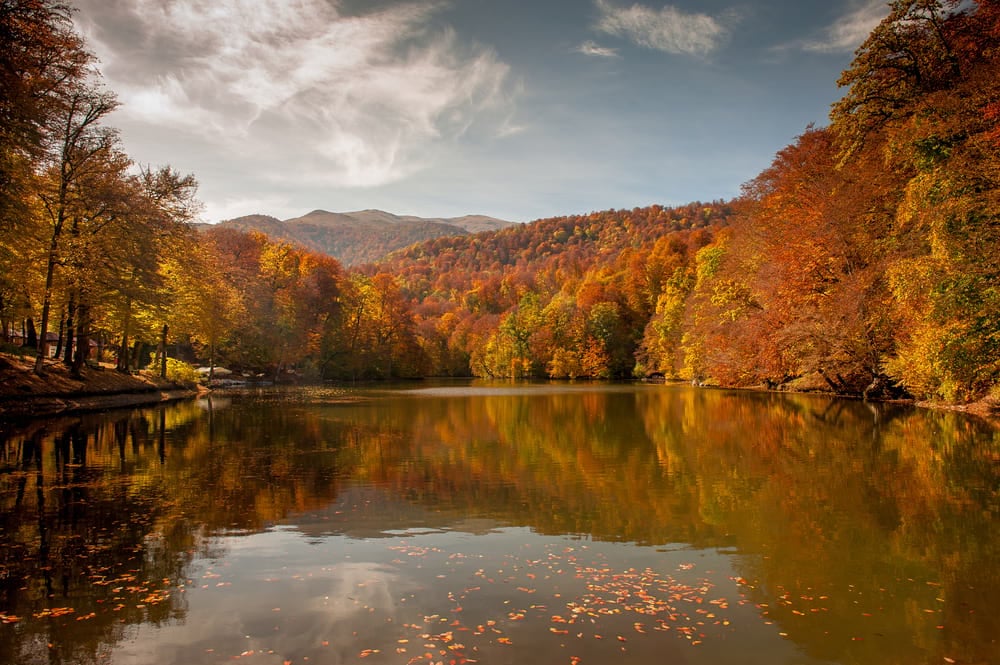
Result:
pixel 40 58
pixel 83 149
pixel 103 196
pixel 947 281
pixel 137 243
pixel 922 100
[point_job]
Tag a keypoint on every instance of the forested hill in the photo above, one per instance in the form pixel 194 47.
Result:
pixel 363 236
pixel 560 297
pixel 493 269
pixel 579 239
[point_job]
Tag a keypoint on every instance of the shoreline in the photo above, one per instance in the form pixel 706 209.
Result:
pixel 45 406
pixel 25 395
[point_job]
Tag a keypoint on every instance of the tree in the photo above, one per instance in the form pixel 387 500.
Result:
pixel 509 353
pixel 946 284
pixel 922 97
pixel 318 298
pixel 41 58
pixel 722 311
pixel 661 344
pixel 100 198
pixel 137 243
pixel 83 149
pixel 379 336
pixel 205 304
pixel 822 234
pixel 912 52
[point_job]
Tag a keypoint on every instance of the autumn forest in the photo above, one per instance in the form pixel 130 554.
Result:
pixel 863 261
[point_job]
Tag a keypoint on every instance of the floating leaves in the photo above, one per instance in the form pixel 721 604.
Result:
pixel 576 597
pixel 53 612
pixel 407 603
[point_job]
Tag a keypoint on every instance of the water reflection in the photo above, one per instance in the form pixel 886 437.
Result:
pixel 855 533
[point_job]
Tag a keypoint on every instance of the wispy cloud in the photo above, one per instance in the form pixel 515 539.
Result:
pixel 230 207
pixel 352 100
pixel 594 49
pixel 668 29
pixel 850 30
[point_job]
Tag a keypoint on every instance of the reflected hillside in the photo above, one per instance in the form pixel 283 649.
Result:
pixel 859 512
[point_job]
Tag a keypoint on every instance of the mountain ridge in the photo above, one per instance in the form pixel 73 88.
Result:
pixel 362 236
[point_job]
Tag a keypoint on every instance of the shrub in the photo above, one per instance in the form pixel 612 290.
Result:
pixel 180 372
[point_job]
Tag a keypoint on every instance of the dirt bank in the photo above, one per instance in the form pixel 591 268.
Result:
pixel 24 394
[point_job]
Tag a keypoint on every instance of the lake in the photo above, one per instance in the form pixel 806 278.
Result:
pixel 460 522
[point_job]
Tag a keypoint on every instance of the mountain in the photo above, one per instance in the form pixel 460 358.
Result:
pixel 363 236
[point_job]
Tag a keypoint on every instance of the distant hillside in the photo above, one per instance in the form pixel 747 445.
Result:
pixel 561 249
pixel 582 295
pixel 364 236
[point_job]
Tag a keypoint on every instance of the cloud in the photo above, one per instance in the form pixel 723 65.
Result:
pixel 349 100
pixel 230 207
pixel 592 48
pixel 851 30
pixel 668 29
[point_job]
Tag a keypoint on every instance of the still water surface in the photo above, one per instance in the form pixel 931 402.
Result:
pixel 501 523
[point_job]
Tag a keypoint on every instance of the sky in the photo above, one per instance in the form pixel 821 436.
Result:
pixel 517 109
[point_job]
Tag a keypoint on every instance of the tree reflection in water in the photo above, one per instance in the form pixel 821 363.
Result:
pixel 863 533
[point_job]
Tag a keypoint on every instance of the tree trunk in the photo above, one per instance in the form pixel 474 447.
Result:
pixel 136 351
pixel 123 353
pixel 31 335
pixel 70 316
pixel 82 339
pixel 59 221
pixel 50 273
pixel 163 351
pixel 211 360
pixel 830 382
pixel 123 350
pixel 59 336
